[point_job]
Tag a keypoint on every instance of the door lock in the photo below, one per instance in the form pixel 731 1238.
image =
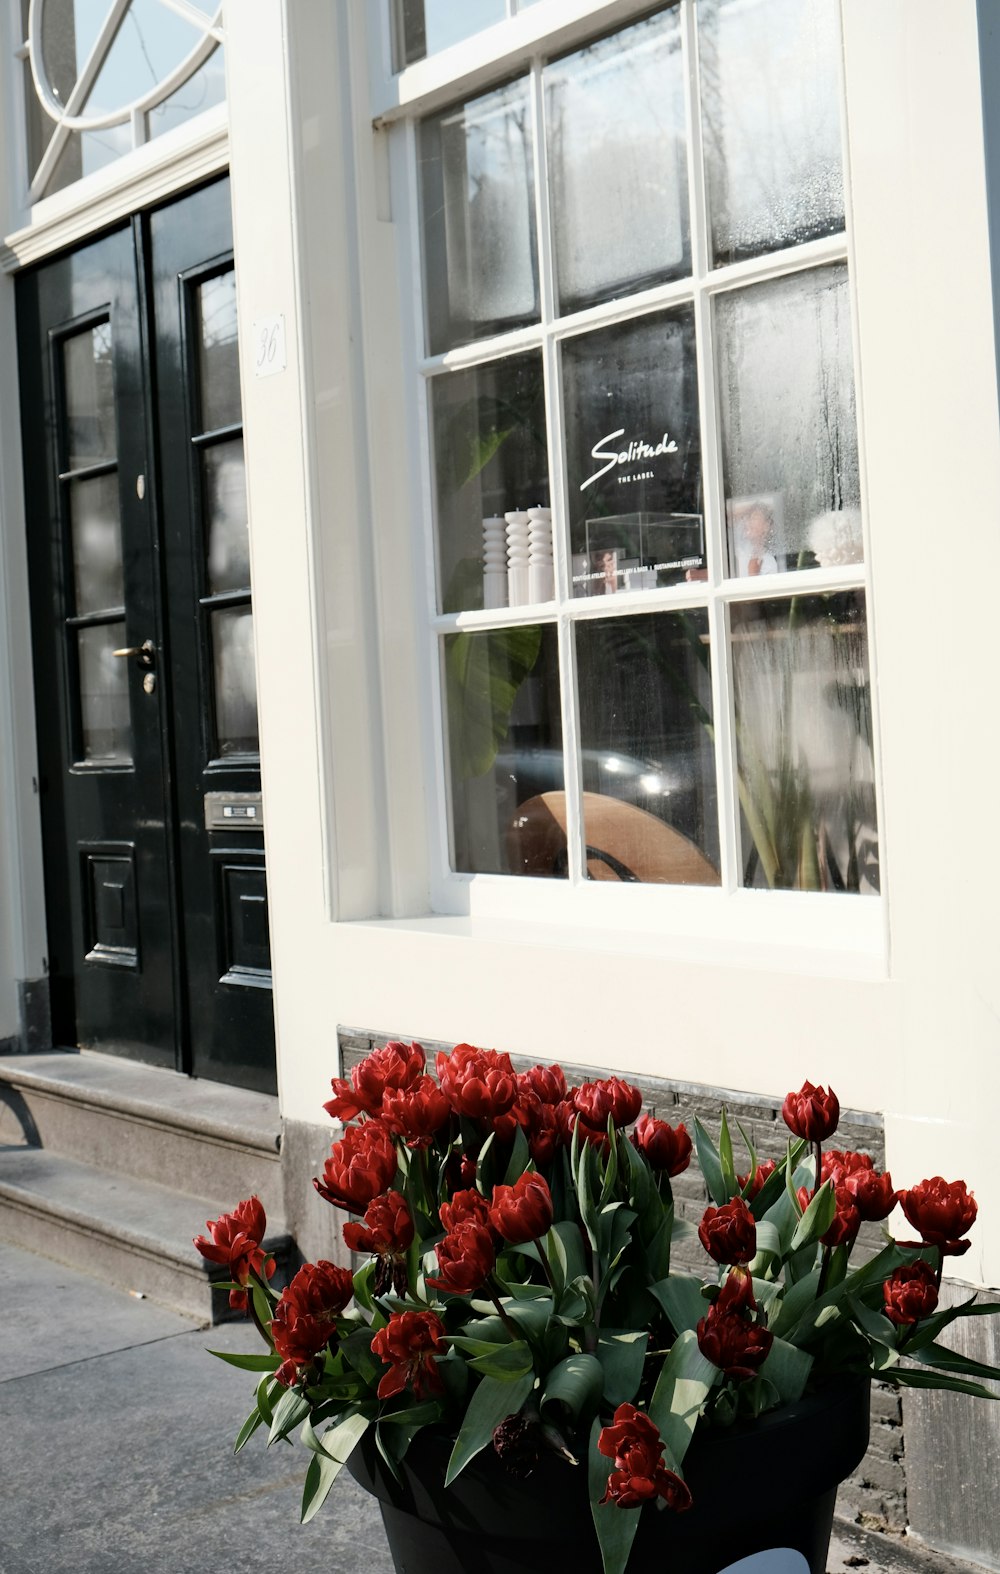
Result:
pixel 145 654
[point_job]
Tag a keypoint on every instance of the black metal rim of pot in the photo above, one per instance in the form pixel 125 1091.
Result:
pixel 767 1484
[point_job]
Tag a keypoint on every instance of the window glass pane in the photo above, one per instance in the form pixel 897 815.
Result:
pixel 789 430
pixel 95 524
pixel 218 352
pixel 505 751
pixel 225 495
pixel 203 90
pixel 633 454
pixel 423 27
pixel 235 681
pixel 770 96
pixel 617 152
pixel 90 397
pixel 650 809
pixel 478 212
pixel 104 708
pixel 804 743
pixel 490 460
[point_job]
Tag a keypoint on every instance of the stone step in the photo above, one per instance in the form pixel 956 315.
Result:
pixel 204 1138
pixel 131 1233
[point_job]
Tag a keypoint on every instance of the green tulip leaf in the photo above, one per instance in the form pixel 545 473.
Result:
pixel 506 1362
pixel 247 1430
pixel 711 1165
pixel 938 1355
pixel 684 1384
pixel 726 1163
pixel 681 1298
pixel 290 1411
pixel 249 1363
pixel 910 1379
pixel 577 1383
pixel 616 1527
pixel 493 1401
pixel 788 1369
pixel 621 1353
pixel 816 1220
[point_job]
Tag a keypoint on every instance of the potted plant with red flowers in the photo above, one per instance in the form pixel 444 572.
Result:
pixel 520 1372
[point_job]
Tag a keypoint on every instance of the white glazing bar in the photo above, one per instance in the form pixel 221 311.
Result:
pixel 712 500
pixel 479 351
pixel 554 419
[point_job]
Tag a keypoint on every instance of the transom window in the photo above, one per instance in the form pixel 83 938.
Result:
pixel 650 612
pixel 102 77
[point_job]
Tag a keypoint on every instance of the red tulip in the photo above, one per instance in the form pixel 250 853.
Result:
pixel 545 1132
pixel 408 1344
pixel 728 1336
pixel 236 1243
pixel 729 1233
pixel 361 1164
pixel 465 1258
pixel 465 1207
pixel 942 1211
pixel 522 1212
pixel 417 1112
pixel 479 1083
pixel 910 1293
pixel 386 1233
pixel 611 1098
pixel 393 1065
pixel 547 1084
pixel 762 1175
pixel 873 1194
pixel 812 1113
pixel 837 1165
pixel 665 1147
pixel 305 1317
pixel 846 1222
pixel 635 1445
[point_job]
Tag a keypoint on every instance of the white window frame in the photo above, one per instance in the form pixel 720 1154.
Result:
pixel 846 929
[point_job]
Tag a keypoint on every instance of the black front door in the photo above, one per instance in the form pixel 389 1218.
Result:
pixel 143 647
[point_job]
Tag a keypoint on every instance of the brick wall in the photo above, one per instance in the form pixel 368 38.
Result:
pixel 876 1496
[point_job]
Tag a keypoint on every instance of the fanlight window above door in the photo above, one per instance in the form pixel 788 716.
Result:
pixel 105 76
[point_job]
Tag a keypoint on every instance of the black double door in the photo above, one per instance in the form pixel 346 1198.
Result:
pixel 143 646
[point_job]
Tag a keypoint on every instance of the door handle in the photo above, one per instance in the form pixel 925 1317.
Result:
pixel 145 654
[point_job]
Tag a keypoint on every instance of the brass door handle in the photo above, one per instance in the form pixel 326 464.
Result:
pixel 145 652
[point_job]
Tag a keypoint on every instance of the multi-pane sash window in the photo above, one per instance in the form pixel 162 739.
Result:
pixel 637 346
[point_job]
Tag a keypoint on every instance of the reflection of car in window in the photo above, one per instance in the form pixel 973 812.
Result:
pixel 667 789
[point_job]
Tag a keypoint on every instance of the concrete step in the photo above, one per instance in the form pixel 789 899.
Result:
pixel 131 1233
pixel 203 1138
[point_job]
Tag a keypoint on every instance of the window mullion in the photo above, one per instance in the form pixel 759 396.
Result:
pixel 558 490
pixel 713 499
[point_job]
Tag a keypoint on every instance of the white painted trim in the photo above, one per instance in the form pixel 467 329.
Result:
pixel 140 179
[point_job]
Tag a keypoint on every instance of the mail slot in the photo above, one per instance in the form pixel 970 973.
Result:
pixel 233 811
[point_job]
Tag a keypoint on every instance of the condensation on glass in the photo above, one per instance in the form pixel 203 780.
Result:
pixel 102 79
pixel 629 522
pixel 235 681
pixel 91 508
pixel 491 459
pixel 477 203
pixel 89 398
pixel 218 352
pixel 96 533
pixel 650 806
pixel 507 787
pixel 106 727
pixel 226 603
pixel 633 454
pixel 225 503
pixel 770 110
pixel 789 425
pixel 616 145
pixel 804 743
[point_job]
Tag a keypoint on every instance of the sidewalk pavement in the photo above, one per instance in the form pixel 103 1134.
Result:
pixel 116 1450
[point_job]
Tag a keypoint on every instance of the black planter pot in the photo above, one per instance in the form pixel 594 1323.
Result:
pixel 756 1487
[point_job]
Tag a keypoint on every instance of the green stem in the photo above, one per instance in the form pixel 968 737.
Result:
pixel 547 1266
pixel 511 1327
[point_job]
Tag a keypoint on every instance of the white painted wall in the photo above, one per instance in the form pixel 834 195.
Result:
pixel 907 1022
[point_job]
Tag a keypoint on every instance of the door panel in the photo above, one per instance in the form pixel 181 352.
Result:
pixel 142 629
pixel 210 634
pixel 94 593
